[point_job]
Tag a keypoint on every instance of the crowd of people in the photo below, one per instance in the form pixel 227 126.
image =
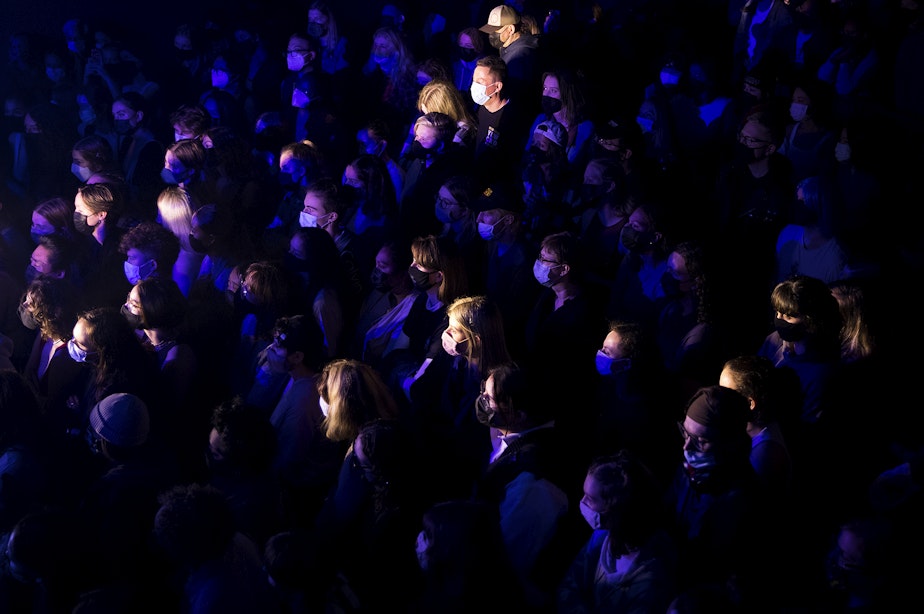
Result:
pixel 463 307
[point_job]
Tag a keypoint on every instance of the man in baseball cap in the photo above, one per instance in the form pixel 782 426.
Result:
pixel 519 49
pixel 500 17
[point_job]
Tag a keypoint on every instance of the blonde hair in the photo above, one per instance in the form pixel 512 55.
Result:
pixel 481 322
pixel 443 97
pixel 175 207
pixel 356 395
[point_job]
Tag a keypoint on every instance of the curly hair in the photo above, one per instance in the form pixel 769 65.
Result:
pixel 54 305
pixel 154 240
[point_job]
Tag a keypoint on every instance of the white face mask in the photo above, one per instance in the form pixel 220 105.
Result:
pixel 486 231
pixel 842 152
pixel 134 274
pixel 306 220
pixel 543 273
pixel 797 111
pixel 325 406
pixel 450 345
pixel 592 517
pixel 295 62
pixel 80 172
pixel 669 77
pixel 75 352
pixel 479 93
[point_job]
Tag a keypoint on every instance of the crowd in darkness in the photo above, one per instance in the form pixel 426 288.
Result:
pixel 444 306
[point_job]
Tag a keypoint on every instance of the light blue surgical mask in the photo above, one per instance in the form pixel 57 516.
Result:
pixel 78 354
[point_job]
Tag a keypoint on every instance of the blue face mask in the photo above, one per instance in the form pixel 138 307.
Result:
pixel 169 177
pixel 611 366
pixel 78 354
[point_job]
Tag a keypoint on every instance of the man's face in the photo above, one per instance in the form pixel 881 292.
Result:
pixel 482 76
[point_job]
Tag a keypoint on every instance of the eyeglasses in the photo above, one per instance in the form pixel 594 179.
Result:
pixel 296 51
pixel 549 262
pixel 701 442
pixel 750 141
pixel 445 203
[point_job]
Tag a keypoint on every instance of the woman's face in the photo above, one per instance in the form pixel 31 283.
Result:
pixel 41 225
pixel 82 336
pixel 455 330
pixel 550 88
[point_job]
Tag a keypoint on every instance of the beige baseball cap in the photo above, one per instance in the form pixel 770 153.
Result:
pixel 499 17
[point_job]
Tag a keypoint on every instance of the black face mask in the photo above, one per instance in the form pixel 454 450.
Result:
pixel 790 331
pixel 550 105
pixel 80 223
pixel 27 318
pixel 197 245
pixel 135 321
pixel 636 241
pixel 122 126
pixel 378 281
pixel 591 193
pixel 467 55
pixel 744 154
pixel 316 30
pixel 419 151
pixel 495 40
pixel 489 417
pixel 670 285
pixel 421 279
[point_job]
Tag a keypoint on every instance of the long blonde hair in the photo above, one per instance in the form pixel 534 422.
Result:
pixel 481 322
pixel 356 395
pixel 175 207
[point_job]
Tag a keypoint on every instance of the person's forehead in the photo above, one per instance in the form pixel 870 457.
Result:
pixel 465 41
pixel 612 340
pixel 39 219
pixel 312 200
pixel 677 262
pixel 41 254
pixel 134 296
pixel 639 216
pixel 592 487
pixel 454 323
pixel 119 106
pixel 350 172
pixel 137 253
pixel 481 72
pixel 427 132
pixel 296 243
pixel 695 428
pixel 551 82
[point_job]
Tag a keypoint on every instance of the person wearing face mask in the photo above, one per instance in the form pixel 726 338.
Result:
pixel 507 272
pixel 566 320
pixel 373 139
pixel 809 141
pixel 563 100
pixel 471 45
pixel 526 470
pixel 630 559
pixel 97 210
pixel 455 210
pixel 306 463
pixel 431 160
pixel 399 342
pixel 503 128
pixel 150 251
pixel 140 153
pixel 629 385
pixel 806 338
pixel 49 307
pixel 94 160
pixel 447 383
pixel 754 193
pixel 389 285
pixel 322 25
pixel 690 336
pixel 373 199
pixel 637 293
pixel 519 49
pixel 715 499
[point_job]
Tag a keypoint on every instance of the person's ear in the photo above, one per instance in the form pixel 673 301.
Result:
pixel 333 216
pixel 139 115
pixel 101 215
pixel 565 269
pixel 498 86
pixel 627 153
pixel 771 149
